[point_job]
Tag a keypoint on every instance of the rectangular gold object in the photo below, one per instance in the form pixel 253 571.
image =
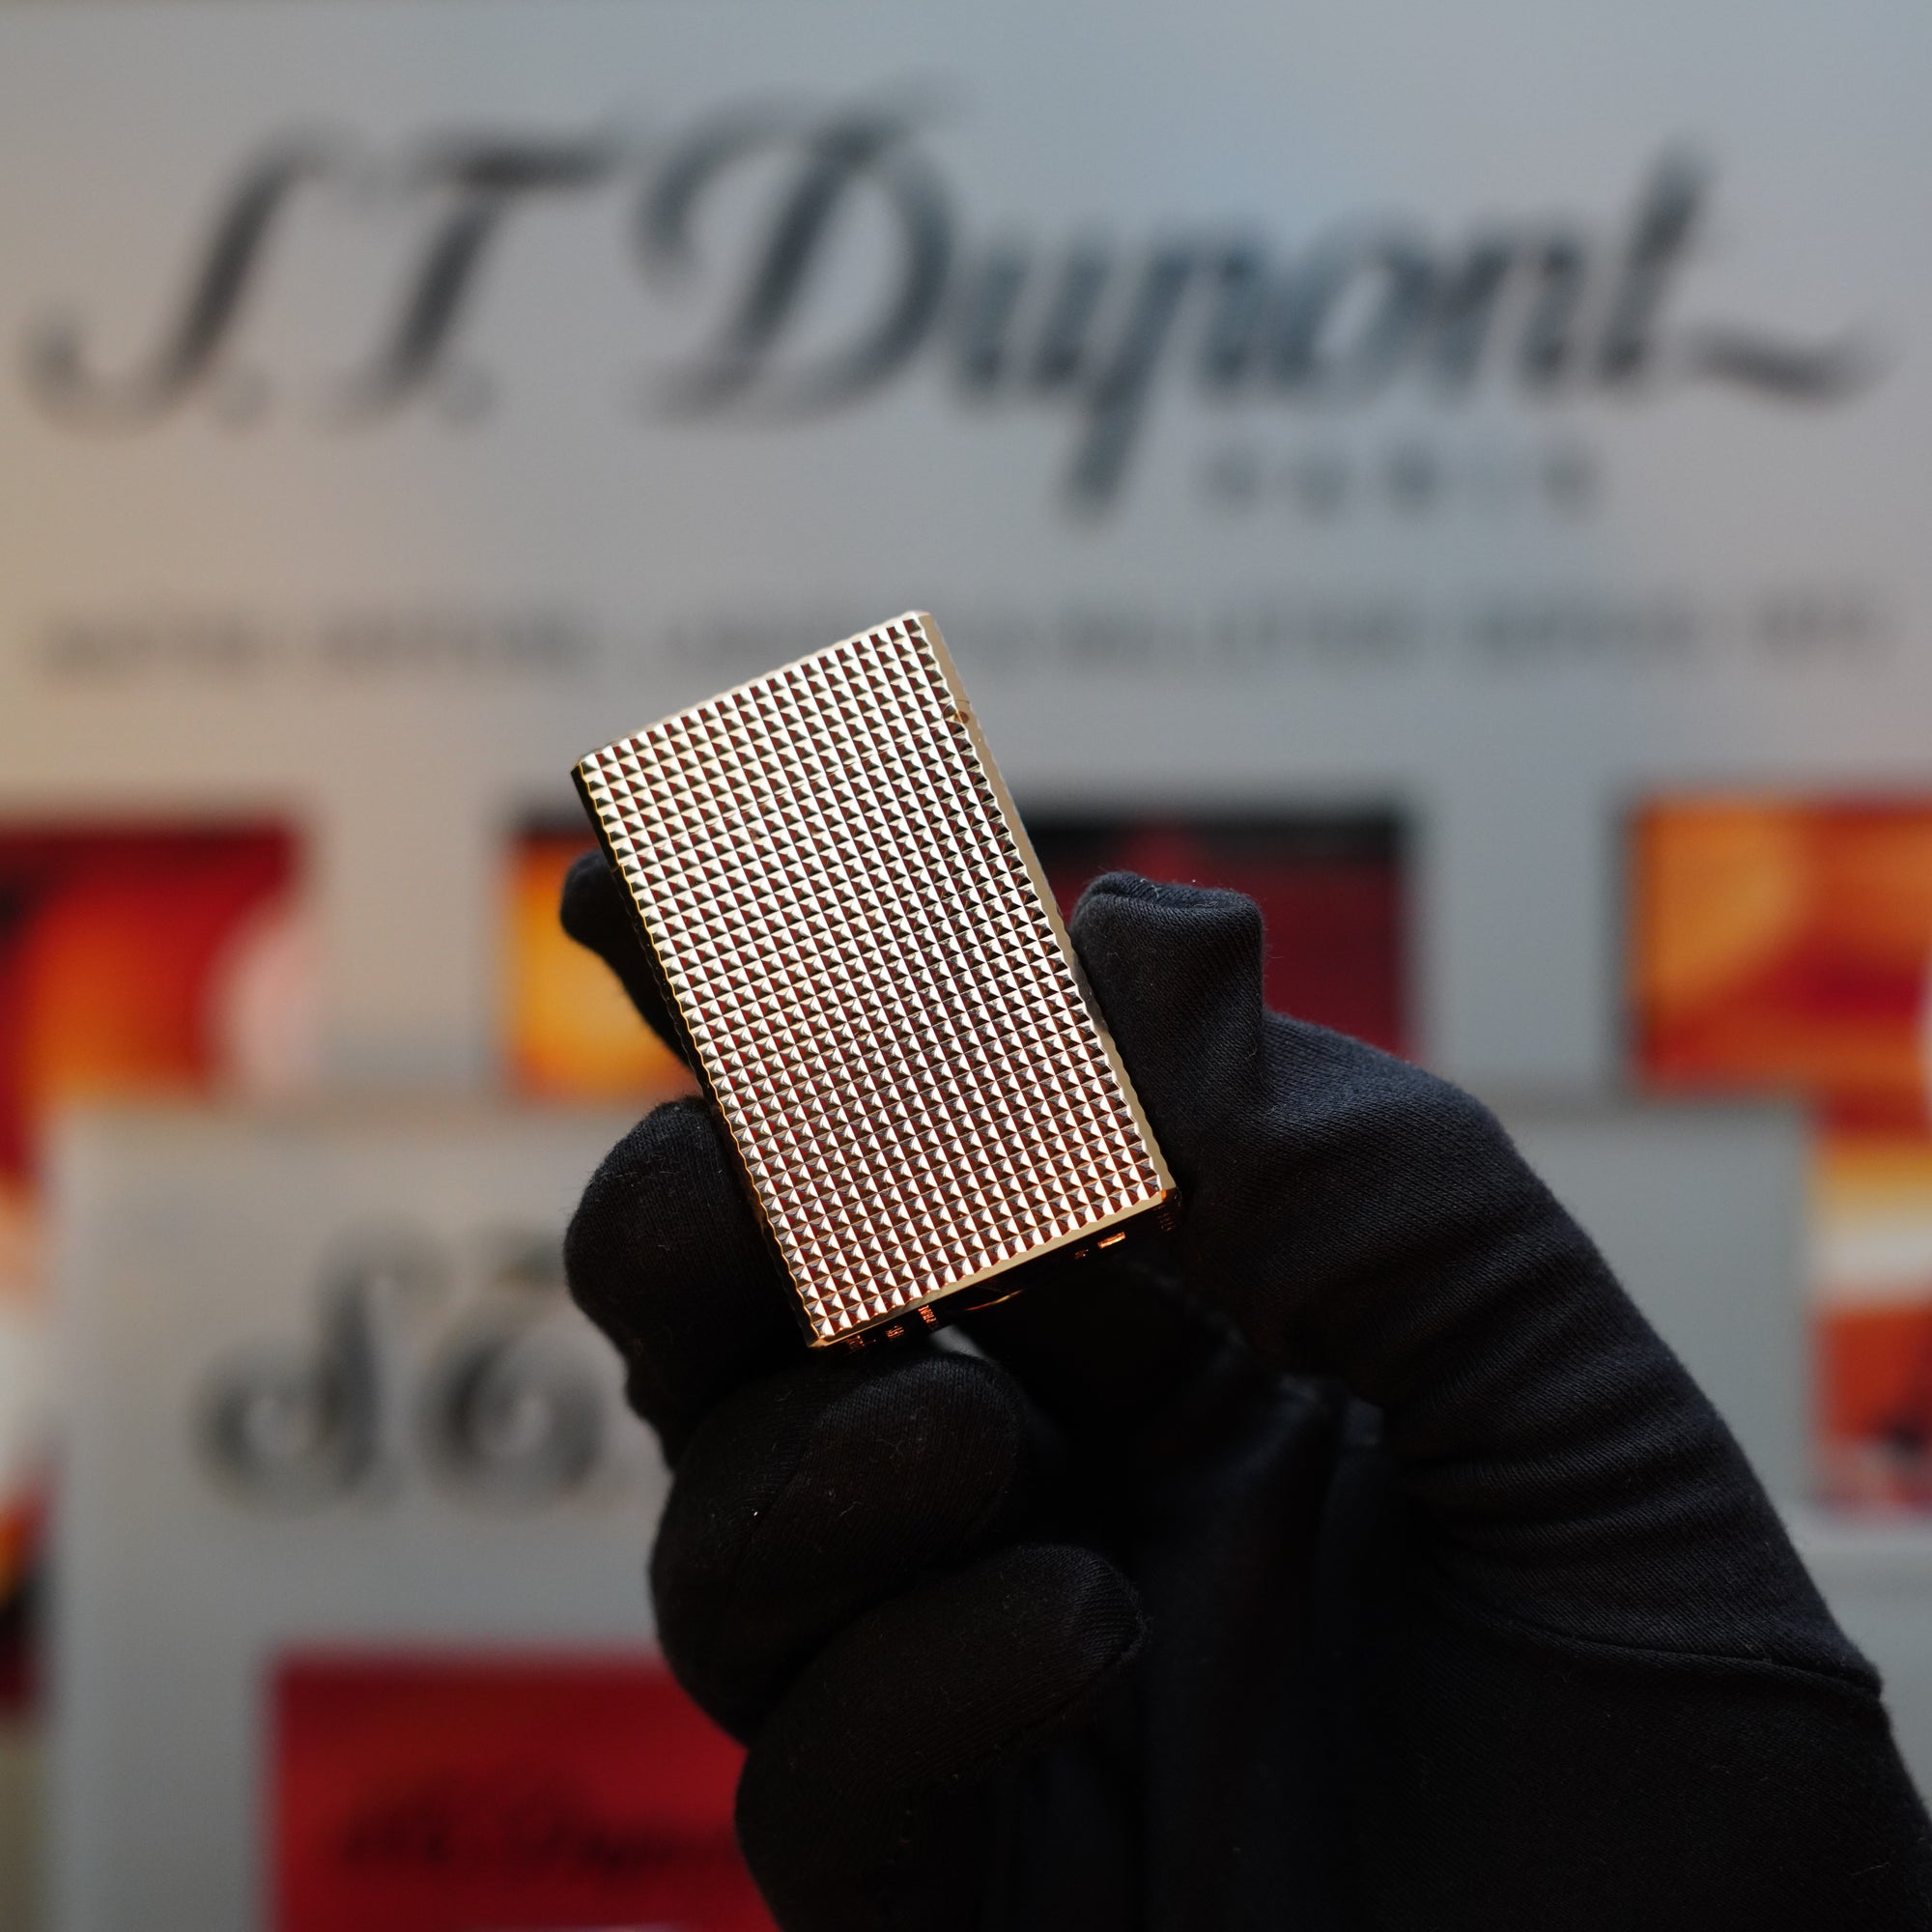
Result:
pixel 879 993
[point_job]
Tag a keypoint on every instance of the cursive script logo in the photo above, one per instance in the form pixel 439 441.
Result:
pixel 740 222
pixel 511 1403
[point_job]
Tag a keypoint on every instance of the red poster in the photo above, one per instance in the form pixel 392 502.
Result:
pixel 432 1793
pixel 1331 888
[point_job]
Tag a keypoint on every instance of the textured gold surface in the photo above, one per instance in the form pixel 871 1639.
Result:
pixel 881 995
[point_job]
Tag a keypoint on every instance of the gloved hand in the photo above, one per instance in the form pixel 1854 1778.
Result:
pixel 1356 1557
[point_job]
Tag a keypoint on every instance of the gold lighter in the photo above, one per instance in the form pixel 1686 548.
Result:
pixel 877 991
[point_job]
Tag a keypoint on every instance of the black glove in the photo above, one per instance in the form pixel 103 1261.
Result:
pixel 1358 1556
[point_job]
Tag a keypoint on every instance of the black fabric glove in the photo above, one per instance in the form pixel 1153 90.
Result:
pixel 1358 1556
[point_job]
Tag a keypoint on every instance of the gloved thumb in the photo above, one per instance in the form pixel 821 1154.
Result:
pixel 1176 971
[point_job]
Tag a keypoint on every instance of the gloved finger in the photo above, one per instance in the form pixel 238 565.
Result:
pixel 857 1804
pixel 665 1255
pixel 1330 1190
pixel 1176 971
pixel 1099 1344
pixel 818 1492
pixel 1355 1214
pixel 597 915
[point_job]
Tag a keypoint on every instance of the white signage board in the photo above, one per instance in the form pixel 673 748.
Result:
pixel 1500 410
pixel 324 1390
pixel 1699 1210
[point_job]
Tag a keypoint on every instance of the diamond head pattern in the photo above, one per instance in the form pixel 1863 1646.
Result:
pixel 882 1000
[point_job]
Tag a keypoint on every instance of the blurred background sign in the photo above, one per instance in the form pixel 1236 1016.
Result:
pixel 331 1427
pixel 1457 474
pixel 149 956
pixel 439 1790
pixel 1782 944
pixel 1499 415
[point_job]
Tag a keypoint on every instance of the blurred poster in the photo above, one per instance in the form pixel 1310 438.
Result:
pixel 569 1033
pixel 1872 1257
pixel 330 1411
pixel 1331 887
pixel 136 959
pixel 441 1792
pixel 1786 943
